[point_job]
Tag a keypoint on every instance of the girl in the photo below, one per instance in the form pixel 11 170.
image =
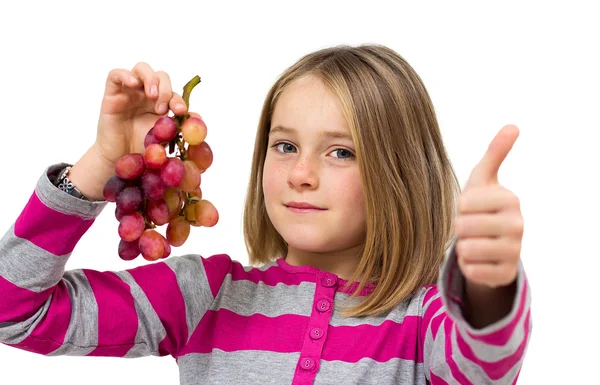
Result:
pixel 350 209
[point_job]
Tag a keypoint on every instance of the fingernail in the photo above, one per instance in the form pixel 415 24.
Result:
pixel 180 106
pixel 162 108
pixel 132 79
pixel 153 91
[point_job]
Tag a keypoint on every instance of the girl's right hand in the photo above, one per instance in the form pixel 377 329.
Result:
pixel 133 101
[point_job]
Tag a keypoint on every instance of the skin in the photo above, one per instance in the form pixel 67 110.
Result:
pixel 303 166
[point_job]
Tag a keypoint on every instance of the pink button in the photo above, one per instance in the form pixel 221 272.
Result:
pixel 329 281
pixel 316 333
pixel 323 305
pixel 307 363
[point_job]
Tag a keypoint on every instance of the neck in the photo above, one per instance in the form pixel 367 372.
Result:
pixel 342 263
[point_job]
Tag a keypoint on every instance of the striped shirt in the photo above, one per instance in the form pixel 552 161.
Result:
pixel 226 323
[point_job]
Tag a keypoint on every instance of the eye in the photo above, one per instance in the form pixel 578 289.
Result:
pixel 287 147
pixel 343 153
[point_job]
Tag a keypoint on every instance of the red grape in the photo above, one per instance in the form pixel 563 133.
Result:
pixel 178 231
pixel 131 226
pixel 113 188
pixel 206 213
pixel 193 130
pixel 165 129
pixel 158 212
pixel 128 251
pixel 152 185
pixel 130 166
pixel 155 156
pixel 201 154
pixel 150 139
pixel 151 245
pixel 172 172
pixel 174 200
pixel 191 177
pixel 130 199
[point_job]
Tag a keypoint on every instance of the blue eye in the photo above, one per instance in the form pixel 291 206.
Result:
pixel 286 146
pixel 343 153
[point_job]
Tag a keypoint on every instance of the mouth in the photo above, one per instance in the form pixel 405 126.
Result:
pixel 303 207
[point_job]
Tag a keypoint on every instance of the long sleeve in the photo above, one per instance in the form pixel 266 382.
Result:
pixel 147 310
pixel 456 353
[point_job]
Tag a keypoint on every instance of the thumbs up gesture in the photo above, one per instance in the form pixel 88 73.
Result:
pixel 489 224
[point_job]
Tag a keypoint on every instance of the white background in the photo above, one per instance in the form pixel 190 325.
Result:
pixel 531 64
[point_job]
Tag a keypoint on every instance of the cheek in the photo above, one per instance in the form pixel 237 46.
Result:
pixel 272 174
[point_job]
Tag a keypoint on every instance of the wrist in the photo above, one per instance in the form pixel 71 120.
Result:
pixel 485 305
pixel 90 173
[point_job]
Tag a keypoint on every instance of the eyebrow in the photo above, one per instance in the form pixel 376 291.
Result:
pixel 327 134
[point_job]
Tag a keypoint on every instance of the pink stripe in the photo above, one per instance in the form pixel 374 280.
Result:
pixel 270 277
pixel 50 332
pixel 49 229
pixel 436 322
pixel 433 308
pixel 117 317
pixel 229 331
pixel 454 369
pixel 19 304
pixel 500 337
pixel 380 343
pixel 498 369
pixel 158 281
pixel 435 380
pixel 216 268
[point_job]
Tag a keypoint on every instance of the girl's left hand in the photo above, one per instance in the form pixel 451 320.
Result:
pixel 489 225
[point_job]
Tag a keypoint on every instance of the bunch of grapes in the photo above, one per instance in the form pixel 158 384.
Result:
pixel 162 187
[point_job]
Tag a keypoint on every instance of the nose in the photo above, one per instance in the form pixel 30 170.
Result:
pixel 304 174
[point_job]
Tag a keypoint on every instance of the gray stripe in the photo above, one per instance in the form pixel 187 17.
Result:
pixel 370 372
pixel 246 367
pixel 60 201
pixel 246 298
pixel 82 332
pixel 150 329
pixel 193 282
pixel 27 265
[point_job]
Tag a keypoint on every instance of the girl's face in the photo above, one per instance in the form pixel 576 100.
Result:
pixel 311 160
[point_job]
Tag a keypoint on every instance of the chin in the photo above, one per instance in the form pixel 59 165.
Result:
pixel 308 239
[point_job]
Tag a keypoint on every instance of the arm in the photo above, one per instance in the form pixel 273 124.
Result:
pixel 454 350
pixel 148 310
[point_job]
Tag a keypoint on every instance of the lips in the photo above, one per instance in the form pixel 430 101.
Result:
pixel 303 206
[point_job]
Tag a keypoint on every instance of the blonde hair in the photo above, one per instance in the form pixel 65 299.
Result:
pixel 410 187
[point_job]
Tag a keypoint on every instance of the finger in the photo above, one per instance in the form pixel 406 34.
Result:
pixel 177 104
pixel 487 200
pixel 165 93
pixel 492 275
pixel 486 171
pixel 118 78
pixel 489 225
pixel 488 250
pixel 148 77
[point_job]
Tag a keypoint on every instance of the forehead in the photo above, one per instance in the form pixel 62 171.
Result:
pixel 307 104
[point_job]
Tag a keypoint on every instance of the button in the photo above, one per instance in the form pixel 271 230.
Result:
pixel 329 281
pixel 316 333
pixel 323 305
pixel 307 364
